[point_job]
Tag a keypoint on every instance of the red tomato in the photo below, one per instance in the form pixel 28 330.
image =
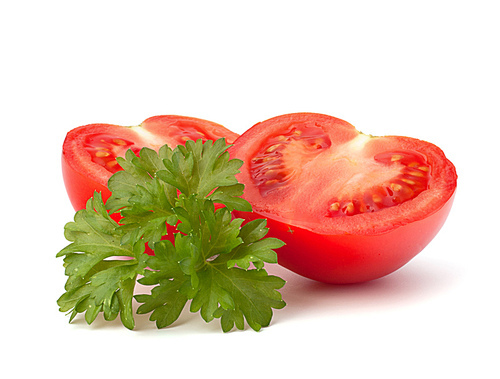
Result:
pixel 90 151
pixel 351 207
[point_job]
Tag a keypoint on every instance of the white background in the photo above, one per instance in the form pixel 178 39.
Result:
pixel 426 69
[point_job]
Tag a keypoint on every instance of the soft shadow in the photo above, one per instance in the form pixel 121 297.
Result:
pixel 187 320
pixel 418 281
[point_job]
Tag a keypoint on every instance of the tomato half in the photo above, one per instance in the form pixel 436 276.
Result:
pixel 351 207
pixel 90 151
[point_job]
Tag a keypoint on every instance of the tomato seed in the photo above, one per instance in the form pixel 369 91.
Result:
pixel 396 158
pixel 408 181
pixel 396 187
pixel 271 182
pixel 350 208
pixel 119 142
pixel 335 207
pixel 272 148
pixel 419 174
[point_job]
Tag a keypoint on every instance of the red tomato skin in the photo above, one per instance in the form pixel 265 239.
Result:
pixel 348 258
pixel 79 187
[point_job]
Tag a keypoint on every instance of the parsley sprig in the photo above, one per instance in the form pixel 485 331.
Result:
pixel 213 260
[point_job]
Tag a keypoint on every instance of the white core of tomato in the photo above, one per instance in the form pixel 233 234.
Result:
pixel 147 137
pixel 354 147
pixel 354 171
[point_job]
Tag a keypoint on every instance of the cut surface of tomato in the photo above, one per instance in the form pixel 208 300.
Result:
pixel 90 151
pixel 351 207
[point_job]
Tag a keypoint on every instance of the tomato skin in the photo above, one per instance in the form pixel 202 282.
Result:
pixel 80 187
pixel 372 248
pixel 82 176
pixel 348 258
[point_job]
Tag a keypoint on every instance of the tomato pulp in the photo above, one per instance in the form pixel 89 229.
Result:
pixel 90 151
pixel 351 207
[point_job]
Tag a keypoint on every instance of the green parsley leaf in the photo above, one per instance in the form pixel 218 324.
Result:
pixel 255 294
pixel 254 249
pixel 145 202
pixel 213 261
pixel 201 168
pixel 94 283
pixel 230 197
pixel 201 267
pixel 166 300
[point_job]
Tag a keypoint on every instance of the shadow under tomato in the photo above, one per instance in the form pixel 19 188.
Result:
pixel 419 281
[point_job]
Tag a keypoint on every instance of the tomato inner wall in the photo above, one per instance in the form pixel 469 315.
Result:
pixel 268 168
pixel 104 149
pixel 184 130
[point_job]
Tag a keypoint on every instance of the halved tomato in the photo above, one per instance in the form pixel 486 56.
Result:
pixel 90 151
pixel 351 207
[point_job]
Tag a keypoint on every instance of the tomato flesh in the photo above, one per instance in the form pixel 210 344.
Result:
pixel 269 169
pixel 90 151
pixel 104 148
pixel 343 201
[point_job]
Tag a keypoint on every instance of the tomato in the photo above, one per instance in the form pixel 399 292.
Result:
pixel 351 207
pixel 90 151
